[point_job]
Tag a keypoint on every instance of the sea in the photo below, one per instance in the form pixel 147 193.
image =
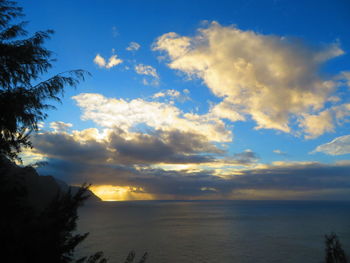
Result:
pixel 214 231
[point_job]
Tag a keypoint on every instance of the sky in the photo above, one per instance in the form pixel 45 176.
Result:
pixel 199 100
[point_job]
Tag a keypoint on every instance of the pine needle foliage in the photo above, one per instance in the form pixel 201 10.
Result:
pixel 23 96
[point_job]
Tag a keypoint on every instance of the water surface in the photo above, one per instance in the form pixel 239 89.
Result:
pixel 214 231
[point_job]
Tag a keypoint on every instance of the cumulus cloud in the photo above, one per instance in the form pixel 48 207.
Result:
pixel 338 146
pixel 271 79
pixel 112 61
pixel 133 46
pixel 317 124
pixel 111 113
pixel 150 71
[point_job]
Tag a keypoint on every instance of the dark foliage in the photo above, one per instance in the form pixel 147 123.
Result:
pixel 334 251
pixel 130 258
pixel 30 234
pixel 23 98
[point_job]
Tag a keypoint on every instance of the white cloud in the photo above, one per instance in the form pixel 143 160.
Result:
pixel 339 146
pixel 271 79
pixel 315 125
pixel 318 124
pixel 60 126
pixel 133 46
pixel 173 95
pixel 111 113
pixel 225 110
pixel 112 61
pixel 100 61
pixel 169 92
pixel 146 70
pixel 150 71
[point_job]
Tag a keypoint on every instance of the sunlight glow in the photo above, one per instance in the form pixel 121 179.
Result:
pixel 120 193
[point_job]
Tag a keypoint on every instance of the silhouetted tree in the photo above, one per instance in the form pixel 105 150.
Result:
pixel 23 100
pixel 334 251
pixel 28 234
pixel 45 235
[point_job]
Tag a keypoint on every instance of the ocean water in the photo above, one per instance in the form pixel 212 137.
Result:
pixel 214 231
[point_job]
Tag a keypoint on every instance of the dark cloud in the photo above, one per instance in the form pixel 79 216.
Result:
pixel 246 157
pixel 64 146
pixel 305 178
pixel 131 161
pixel 163 147
pixel 122 148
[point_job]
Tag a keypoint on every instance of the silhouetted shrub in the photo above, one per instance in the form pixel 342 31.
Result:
pixel 334 251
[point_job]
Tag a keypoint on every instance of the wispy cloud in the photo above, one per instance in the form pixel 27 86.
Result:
pixel 173 95
pixel 279 152
pixel 115 32
pixel 150 71
pixel 338 146
pixel 133 46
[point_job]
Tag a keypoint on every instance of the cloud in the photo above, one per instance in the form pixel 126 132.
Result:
pixel 246 157
pixel 273 80
pixel 279 152
pixel 133 46
pixel 173 94
pixel 345 75
pixel 111 113
pixel 100 61
pixel 169 92
pixel 150 71
pixel 338 146
pixel 112 61
pixel 115 32
pixel 276 181
pixel 146 161
pixel 125 148
pixel 60 126
pixel 317 124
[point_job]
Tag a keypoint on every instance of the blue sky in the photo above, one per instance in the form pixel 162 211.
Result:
pixel 200 99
